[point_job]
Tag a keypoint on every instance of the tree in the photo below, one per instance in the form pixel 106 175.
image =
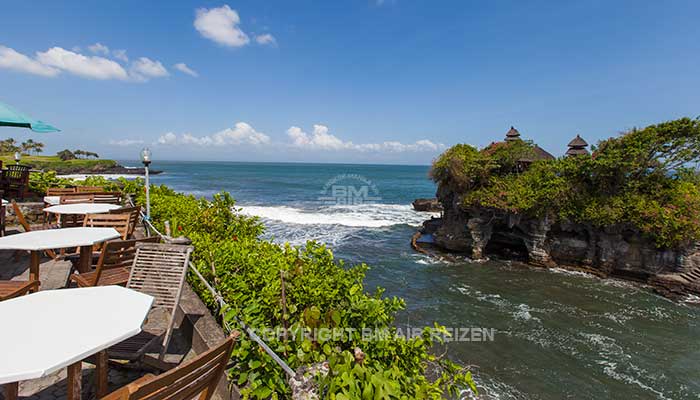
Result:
pixel 8 146
pixel 66 155
pixel 38 147
pixel 27 147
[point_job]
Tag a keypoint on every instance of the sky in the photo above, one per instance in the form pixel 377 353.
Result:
pixel 366 81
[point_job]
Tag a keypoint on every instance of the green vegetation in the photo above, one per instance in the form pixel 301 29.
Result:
pixel 645 178
pixel 321 292
pixel 39 182
pixel 64 162
pixel 10 146
pixel 54 163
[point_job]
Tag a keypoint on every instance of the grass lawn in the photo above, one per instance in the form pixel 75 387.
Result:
pixel 54 163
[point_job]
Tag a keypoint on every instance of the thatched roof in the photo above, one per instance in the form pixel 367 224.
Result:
pixel 539 154
pixel 577 142
pixel 577 147
pixel 512 134
pixel 576 152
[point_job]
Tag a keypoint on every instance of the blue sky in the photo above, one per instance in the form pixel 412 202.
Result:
pixel 391 81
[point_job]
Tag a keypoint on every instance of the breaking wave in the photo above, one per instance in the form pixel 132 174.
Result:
pixel 356 216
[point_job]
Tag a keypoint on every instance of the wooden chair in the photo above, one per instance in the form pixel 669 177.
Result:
pixel 15 179
pixel 196 378
pixel 73 198
pixel 158 270
pixel 114 264
pixel 134 215
pixel 28 228
pixel 88 189
pixel 107 197
pixel 11 289
pixel 120 222
pixel 59 191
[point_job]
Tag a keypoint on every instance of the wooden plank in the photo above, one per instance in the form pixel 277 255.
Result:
pixel 75 381
pixel 101 370
pixel 12 391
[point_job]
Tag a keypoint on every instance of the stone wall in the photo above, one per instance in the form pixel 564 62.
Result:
pixel 33 213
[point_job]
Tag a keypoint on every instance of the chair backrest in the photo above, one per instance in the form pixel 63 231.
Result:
pixel 107 197
pixel 120 222
pixel 15 173
pixel 159 270
pixel 118 254
pixel 58 191
pixel 89 189
pixel 196 378
pixel 77 198
pixel 134 214
pixel 20 217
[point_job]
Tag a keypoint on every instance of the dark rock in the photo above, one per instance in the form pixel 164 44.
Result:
pixel 430 205
pixel 617 250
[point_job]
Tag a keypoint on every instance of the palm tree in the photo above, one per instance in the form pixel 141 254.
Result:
pixel 27 147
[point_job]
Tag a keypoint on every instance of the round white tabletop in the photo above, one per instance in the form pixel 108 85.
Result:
pixel 57 238
pixel 45 332
pixel 82 208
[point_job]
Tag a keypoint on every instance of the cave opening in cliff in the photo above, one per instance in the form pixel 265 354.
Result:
pixel 507 243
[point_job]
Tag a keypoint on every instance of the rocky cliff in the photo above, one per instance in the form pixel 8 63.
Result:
pixel 610 251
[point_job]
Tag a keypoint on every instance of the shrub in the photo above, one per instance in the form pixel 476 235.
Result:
pixel 642 178
pixel 321 292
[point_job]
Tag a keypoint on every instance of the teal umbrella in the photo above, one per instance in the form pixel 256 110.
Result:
pixel 12 117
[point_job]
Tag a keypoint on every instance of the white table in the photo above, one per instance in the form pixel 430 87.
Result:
pixel 38 241
pixel 82 208
pixel 53 329
pixel 52 200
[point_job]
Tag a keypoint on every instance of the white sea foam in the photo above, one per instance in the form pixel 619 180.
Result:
pixel 357 216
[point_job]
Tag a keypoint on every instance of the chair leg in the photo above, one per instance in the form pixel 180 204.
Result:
pixel 70 273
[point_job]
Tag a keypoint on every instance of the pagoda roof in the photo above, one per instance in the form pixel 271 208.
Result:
pixel 512 134
pixel 577 142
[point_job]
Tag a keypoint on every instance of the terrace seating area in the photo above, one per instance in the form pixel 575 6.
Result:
pixel 84 250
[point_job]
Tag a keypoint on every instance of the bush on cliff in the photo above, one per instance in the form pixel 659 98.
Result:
pixel 643 178
pixel 320 292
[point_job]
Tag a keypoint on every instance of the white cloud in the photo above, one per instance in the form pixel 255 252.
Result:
pixel 11 59
pixel 144 68
pixel 182 67
pixel 320 139
pixel 120 55
pixel 56 60
pixel 93 67
pixel 125 142
pixel 99 48
pixel 266 39
pixel 221 25
pixel 241 133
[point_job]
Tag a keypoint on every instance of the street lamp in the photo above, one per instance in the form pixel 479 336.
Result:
pixel 18 157
pixel 146 160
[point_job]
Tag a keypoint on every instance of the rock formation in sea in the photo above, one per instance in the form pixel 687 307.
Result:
pixel 612 250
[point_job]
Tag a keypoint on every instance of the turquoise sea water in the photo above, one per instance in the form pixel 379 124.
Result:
pixel 556 334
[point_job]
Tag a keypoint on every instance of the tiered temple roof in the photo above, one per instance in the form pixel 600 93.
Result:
pixel 577 147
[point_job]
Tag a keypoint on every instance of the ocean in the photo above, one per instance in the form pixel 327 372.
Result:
pixel 555 334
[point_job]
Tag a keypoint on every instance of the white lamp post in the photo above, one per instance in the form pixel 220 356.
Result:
pixel 146 160
pixel 18 157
